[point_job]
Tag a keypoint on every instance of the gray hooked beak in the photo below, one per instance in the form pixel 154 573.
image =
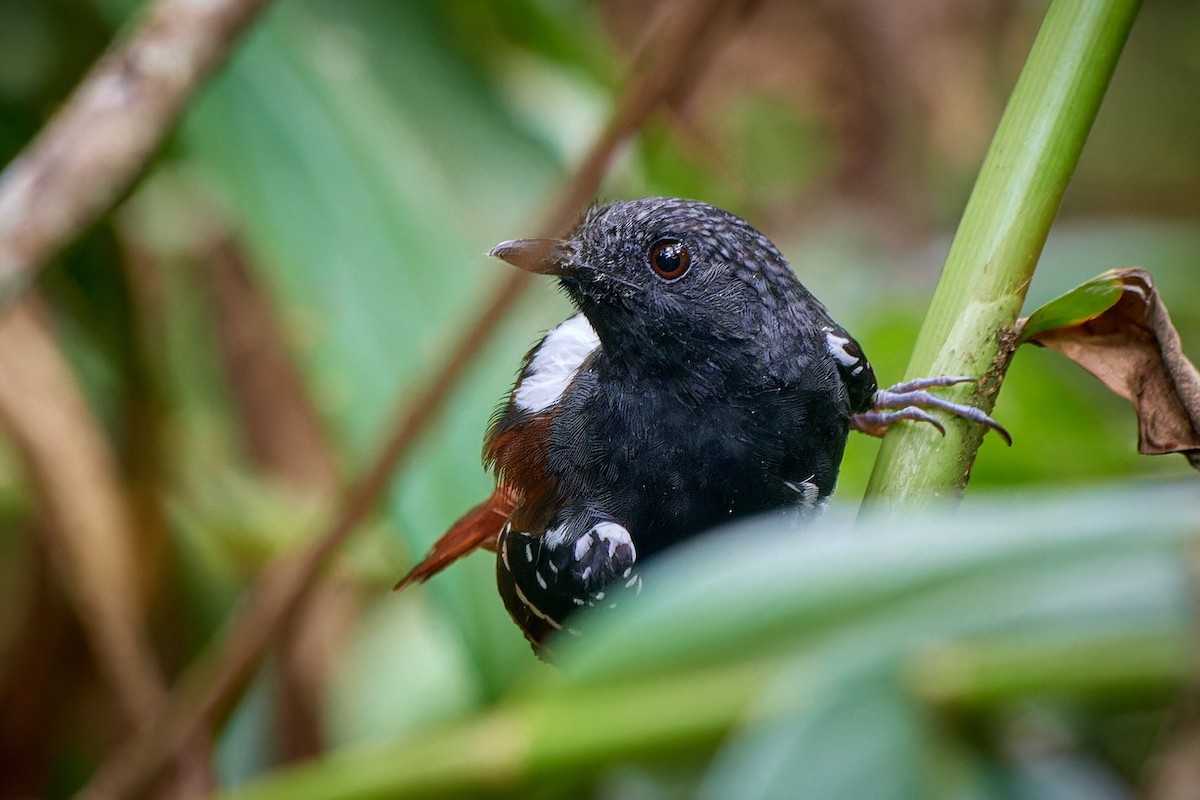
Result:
pixel 543 256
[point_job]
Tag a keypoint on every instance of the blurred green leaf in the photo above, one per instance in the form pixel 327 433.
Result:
pixel 856 736
pixel 816 645
pixel 753 585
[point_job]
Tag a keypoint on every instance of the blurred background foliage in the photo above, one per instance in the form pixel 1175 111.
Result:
pixel 306 249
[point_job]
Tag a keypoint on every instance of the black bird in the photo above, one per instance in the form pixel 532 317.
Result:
pixel 700 382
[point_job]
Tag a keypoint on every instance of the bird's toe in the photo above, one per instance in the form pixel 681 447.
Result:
pixel 908 401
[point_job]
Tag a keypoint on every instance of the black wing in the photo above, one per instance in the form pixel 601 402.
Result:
pixel 852 365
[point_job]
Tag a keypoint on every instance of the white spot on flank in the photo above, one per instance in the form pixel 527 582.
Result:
pixel 555 363
pixel 555 536
pixel 613 534
pixel 537 612
pixel 541 581
pixel 837 348
pixel 529 552
pixel 504 553
pixel 582 545
pixel 807 490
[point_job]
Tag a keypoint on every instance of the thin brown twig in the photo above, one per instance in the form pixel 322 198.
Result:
pixel 282 437
pixel 88 531
pixel 668 65
pixel 88 535
pixel 90 153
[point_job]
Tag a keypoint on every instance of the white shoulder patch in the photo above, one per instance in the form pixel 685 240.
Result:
pixel 837 348
pixel 555 363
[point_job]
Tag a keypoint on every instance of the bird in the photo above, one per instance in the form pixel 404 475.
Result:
pixel 697 383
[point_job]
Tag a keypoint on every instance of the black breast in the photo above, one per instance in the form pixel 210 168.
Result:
pixel 670 456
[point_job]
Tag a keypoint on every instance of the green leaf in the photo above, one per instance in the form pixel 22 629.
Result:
pixel 1083 303
pixel 816 652
pixel 857 736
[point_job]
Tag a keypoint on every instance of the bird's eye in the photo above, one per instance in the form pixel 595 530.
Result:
pixel 669 258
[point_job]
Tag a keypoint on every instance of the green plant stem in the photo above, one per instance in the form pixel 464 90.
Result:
pixel 967 330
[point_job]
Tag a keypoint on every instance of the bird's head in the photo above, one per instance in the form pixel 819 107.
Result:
pixel 665 276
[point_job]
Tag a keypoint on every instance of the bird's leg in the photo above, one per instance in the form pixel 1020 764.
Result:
pixel 908 401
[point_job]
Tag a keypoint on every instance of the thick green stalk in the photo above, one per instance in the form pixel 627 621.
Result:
pixel 967 330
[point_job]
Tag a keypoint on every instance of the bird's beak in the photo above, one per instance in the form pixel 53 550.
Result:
pixel 543 256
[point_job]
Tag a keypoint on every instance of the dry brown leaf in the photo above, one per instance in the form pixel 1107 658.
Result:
pixel 1129 343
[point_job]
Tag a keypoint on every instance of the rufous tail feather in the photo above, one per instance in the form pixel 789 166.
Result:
pixel 479 527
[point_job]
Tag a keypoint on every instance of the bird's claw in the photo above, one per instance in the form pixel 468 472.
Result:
pixel 875 423
pixel 908 401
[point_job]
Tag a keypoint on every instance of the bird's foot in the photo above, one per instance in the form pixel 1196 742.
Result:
pixel 908 401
